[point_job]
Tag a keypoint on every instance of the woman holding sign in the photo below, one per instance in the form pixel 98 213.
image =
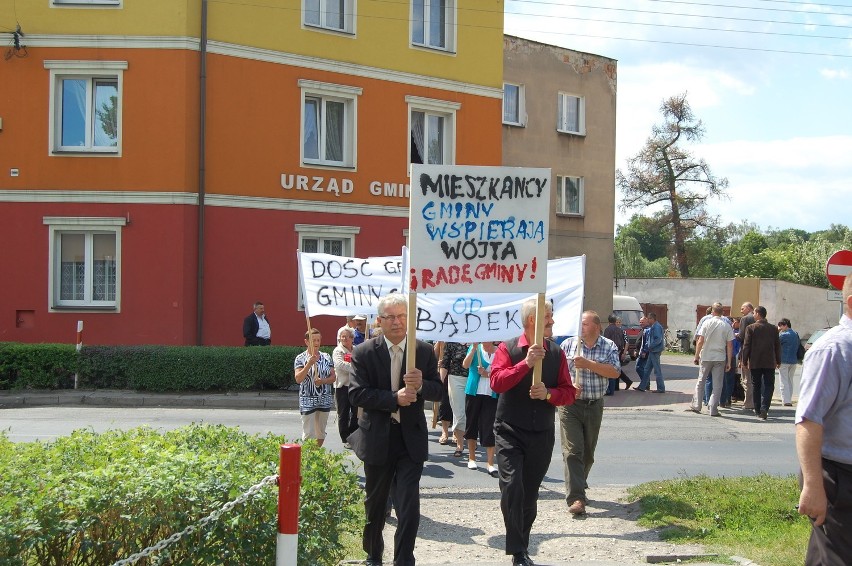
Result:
pixel 480 404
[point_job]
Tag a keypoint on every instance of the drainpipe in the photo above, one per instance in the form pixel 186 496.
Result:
pixel 202 147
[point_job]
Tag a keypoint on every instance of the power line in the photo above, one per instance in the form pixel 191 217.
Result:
pixel 730 47
pixel 698 28
pixel 658 13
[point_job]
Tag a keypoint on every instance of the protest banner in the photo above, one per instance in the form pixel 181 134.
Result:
pixel 338 285
pixel 331 286
pixel 482 228
pixel 473 317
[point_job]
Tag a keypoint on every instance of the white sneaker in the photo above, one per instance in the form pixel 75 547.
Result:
pixel 471 464
pixel 492 470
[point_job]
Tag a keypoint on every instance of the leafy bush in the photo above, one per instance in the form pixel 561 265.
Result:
pixel 93 499
pixel 41 366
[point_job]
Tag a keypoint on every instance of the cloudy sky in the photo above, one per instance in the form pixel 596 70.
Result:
pixel 770 79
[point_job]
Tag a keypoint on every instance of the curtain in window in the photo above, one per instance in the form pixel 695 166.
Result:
pixel 418 21
pixel 333 247
pixel 72 267
pixel 572 189
pixel 334 15
pixel 103 251
pixel 73 113
pixel 334 112
pixel 312 12
pixel 310 245
pixel 510 104
pixel 311 141
pixel 436 139
pixel 417 137
pixel 437 23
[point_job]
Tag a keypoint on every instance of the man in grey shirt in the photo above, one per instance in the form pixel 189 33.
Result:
pixel 824 441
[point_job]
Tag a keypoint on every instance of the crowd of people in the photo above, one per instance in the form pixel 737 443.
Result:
pixel 505 396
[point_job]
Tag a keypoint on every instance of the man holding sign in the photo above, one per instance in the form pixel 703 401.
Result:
pixel 524 426
pixel 392 438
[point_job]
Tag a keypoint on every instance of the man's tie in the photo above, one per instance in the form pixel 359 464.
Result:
pixel 396 370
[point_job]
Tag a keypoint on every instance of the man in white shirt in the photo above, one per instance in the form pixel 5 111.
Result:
pixel 256 328
pixel 713 352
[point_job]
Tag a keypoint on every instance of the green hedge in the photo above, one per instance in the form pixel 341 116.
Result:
pixel 93 499
pixel 37 366
pixel 147 368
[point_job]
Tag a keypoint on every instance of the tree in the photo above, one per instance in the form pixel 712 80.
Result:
pixel 663 173
pixel 653 239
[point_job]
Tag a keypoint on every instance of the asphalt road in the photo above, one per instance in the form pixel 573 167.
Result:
pixel 645 436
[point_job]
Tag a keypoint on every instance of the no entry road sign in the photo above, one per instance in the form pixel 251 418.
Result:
pixel 838 266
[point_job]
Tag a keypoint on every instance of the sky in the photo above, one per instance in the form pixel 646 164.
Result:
pixel 770 79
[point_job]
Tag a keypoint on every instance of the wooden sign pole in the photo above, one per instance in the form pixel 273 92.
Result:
pixel 540 312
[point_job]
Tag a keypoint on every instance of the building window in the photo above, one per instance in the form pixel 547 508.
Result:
pixel 433 24
pixel 85 106
pixel 336 15
pixel 329 116
pixel 431 130
pixel 572 119
pixel 85 262
pixel 514 112
pixel 569 195
pixel 326 239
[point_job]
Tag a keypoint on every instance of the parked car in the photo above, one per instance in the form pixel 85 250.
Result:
pixel 814 337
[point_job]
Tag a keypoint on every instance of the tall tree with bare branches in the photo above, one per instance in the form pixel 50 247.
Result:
pixel 664 173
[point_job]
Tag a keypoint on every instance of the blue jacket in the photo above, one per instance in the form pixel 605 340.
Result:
pixel 656 344
pixel 789 345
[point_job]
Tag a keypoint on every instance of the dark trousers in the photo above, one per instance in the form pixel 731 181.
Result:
pixel 522 458
pixel 379 479
pixel 347 413
pixel 830 543
pixel 762 386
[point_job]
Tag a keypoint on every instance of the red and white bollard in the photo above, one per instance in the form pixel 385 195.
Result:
pixel 79 346
pixel 289 482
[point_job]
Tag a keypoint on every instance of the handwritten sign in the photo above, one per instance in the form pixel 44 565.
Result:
pixel 478 228
pixel 339 285
pixel 460 317
pixel 335 285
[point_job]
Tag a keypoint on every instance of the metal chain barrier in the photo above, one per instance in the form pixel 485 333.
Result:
pixel 133 559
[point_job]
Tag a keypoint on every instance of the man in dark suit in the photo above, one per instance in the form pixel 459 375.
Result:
pixel 392 438
pixel 762 356
pixel 256 329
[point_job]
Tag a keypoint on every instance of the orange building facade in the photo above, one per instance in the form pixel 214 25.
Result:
pixel 162 162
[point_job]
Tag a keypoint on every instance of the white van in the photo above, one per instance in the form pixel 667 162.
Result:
pixel 629 311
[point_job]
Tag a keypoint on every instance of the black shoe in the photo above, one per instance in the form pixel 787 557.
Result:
pixel 637 388
pixel 763 415
pixel 522 559
pixel 372 562
pixel 628 383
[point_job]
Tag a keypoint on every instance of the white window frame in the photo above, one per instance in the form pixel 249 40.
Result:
pixel 562 114
pixel 442 108
pixel 87 3
pixel 450 26
pixel 90 70
pixel 349 18
pixel 58 226
pixel 522 111
pixel 323 232
pixel 328 92
pixel 562 197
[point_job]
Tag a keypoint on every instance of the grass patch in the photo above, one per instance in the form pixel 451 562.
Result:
pixel 753 517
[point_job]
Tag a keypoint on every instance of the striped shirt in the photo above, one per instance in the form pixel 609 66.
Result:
pixel 604 351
